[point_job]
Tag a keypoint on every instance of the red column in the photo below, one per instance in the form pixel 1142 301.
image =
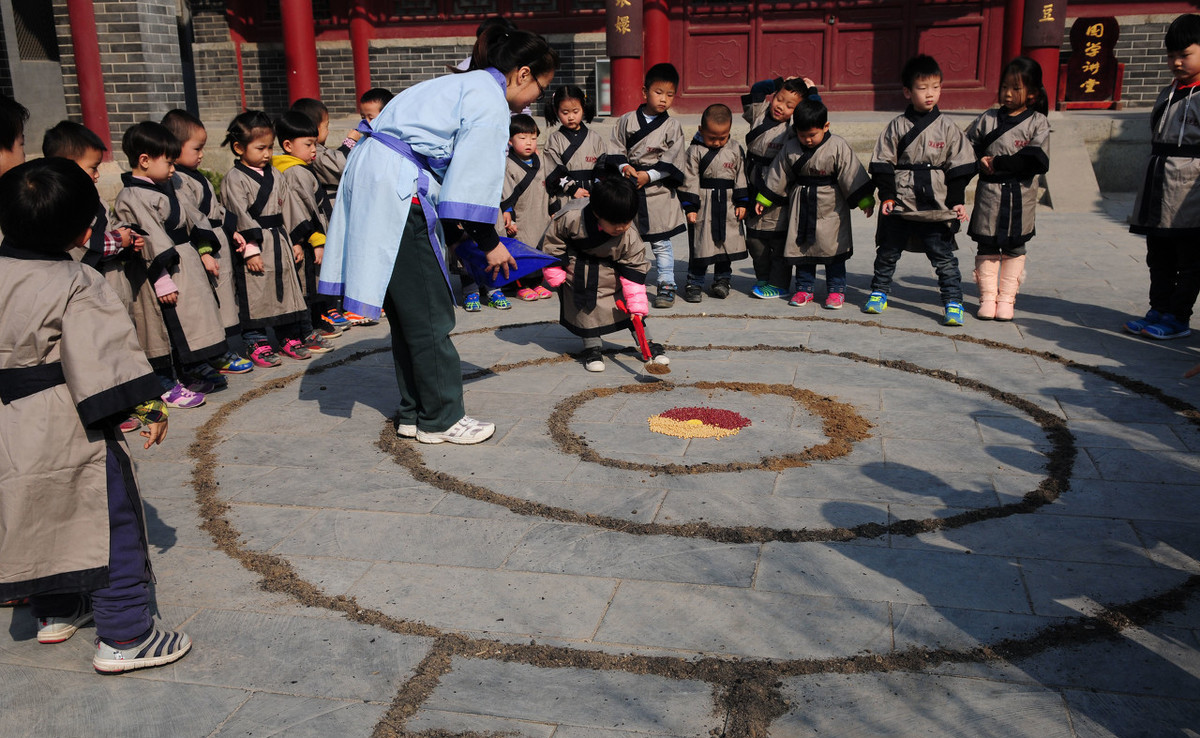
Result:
pixel 623 42
pixel 1041 36
pixel 360 47
pixel 657 30
pixel 1014 19
pixel 626 84
pixel 300 49
pixel 87 70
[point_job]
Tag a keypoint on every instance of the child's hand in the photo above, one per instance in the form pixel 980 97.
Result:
pixel 239 240
pixel 643 179
pixel 510 227
pixel 354 135
pixel 127 236
pixel 739 213
pixel 255 264
pixel 297 253
pixel 693 217
pixel 808 82
pixel 758 208
pixel 581 193
pixel 629 171
pixel 985 165
pixel 139 243
pixel 869 210
pixel 171 298
pixel 210 264
pixel 154 433
pixel 960 211
pixel 318 254
pixel 887 207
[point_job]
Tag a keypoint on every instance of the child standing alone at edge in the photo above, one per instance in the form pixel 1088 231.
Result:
pixel 647 146
pixel 213 228
pixel 1167 209
pixel 714 197
pixel 74 536
pixel 818 174
pixel 768 109
pixel 921 165
pixel 268 291
pixel 574 151
pixel 1011 143
pixel 602 259
pixel 524 211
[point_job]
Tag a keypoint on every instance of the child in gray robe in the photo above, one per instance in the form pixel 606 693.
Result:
pixel 524 206
pixel 921 166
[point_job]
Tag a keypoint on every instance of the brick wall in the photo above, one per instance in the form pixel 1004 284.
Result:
pixel 139 57
pixel 1140 48
pixel 6 83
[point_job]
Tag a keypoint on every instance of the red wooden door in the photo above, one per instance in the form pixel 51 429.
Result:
pixel 853 49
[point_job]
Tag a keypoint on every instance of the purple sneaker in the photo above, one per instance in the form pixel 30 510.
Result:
pixel 180 396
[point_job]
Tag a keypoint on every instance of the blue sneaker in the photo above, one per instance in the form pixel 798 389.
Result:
pixel 1167 328
pixel 497 300
pixel 766 291
pixel 954 314
pixel 877 303
pixel 1137 326
pixel 231 363
pixel 471 302
pixel 335 318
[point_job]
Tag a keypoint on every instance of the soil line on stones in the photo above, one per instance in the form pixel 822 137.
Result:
pixel 749 692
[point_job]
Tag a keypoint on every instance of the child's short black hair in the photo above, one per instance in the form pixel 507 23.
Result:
pixel 661 73
pixel 70 140
pixel 615 199
pixel 46 204
pixel 796 86
pixel 294 124
pixel 521 123
pixel 246 127
pixel 809 114
pixel 13 116
pixel 182 124
pixel 149 138
pixel 569 92
pixel 312 107
pixel 919 67
pixel 716 115
pixel 377 94
pixel 1183 32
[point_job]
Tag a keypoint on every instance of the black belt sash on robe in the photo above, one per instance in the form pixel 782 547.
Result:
pixel 23 381
pixel 266 185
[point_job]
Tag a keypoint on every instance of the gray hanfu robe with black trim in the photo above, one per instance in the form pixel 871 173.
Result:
pixel 1168 201
pixel 112 267
pixel 654 145
pixel 71 369
pixel 211 223
pixel 525 196
pixel 256 201
pixel 306 210
pixel 571 160
pixel 764 141
pixel 923 163
pixel 594 262
pixel 820 184
pixel 329 165
pixel 714 185
pixel 1006 201
pixel 195 326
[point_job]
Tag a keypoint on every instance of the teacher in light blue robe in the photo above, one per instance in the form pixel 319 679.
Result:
pixel 434 158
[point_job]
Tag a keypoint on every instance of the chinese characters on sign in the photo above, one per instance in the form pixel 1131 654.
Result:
pixel 1043 24
pixel 1092 68
pixel 623 24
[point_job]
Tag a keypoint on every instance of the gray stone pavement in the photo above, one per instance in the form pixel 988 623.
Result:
pixel 527 591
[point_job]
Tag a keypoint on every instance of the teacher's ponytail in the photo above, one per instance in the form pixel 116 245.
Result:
pixel 507 48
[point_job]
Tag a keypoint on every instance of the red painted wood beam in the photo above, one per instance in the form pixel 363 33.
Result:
pixel 300 49
pixel 657 31
pixel 361 31
pixel 88 71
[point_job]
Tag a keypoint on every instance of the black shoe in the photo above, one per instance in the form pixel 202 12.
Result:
pixel 720 289
pixel 665 297
pixel 693 293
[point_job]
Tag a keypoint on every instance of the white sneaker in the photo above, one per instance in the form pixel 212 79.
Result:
pixel 465 432
pixel 406 431
pixel 160 648
pixel 59 629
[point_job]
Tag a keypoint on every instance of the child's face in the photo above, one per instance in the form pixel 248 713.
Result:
pixel 258 152
pixel 924 94
pixel 612 229
pixel 1185 64
pixel 1013 95
pixel 715 136
pixel 192 151
pixel 323 129
pixel 524 144
pixel 89 162
pixel 570 114
pixel 659 97
pixel 811 137
pixel 10 158
pixel 157 169
pixel 784 104
pixel 370 111
pixel 303 148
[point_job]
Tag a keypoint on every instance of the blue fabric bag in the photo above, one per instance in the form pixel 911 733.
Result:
pixel 474 260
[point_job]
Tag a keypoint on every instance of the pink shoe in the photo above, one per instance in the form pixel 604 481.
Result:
pixel 801 298
pixel 834 301
pixel 295 349
pixel 543 293
pixel 527 294
pixel 181 396
pixel 263 355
